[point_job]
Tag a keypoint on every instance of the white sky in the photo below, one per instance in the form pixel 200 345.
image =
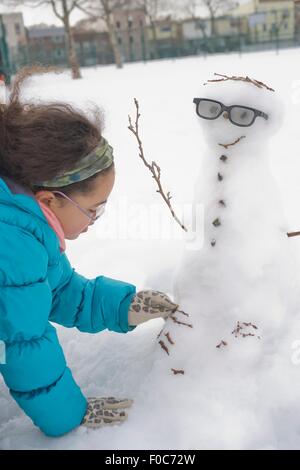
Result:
pixel 44 14
pixel 41 14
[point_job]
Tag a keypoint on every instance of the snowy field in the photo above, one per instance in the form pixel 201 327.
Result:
pixel 138 242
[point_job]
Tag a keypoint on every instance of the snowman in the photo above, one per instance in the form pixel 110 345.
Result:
pixel 236 290
pixel 233 289
pixel 222 362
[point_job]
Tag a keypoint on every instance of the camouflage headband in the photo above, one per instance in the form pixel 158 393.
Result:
pixel 97 160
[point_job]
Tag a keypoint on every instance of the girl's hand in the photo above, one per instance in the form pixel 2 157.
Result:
pixel 149 304
pixel 105 411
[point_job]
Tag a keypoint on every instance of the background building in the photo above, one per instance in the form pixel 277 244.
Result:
pixel 165 38
pixel 16 39
pixel 131 34
pixel 92 42
pixel 269 20
pixel 47 45
pixel 297 17
pixel 4 53
pixel 195 32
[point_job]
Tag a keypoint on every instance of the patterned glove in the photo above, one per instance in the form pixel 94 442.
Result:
pixel 104 411
pixel 149 304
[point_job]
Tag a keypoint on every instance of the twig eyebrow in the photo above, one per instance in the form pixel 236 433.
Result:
pixel 224 78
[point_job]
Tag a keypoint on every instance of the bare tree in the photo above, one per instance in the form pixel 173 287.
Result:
pixel 153 10
pixel 191 8
pixel 62 10
pixel 214 7
pixel 67 6
pixel 105 9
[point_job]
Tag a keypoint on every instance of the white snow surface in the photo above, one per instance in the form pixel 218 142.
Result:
pixel 244 395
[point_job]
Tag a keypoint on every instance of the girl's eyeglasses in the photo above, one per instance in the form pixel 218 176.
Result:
pixel 98 212
pixel 239 115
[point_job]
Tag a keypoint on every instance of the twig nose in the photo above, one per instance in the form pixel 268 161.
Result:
pixel 225 115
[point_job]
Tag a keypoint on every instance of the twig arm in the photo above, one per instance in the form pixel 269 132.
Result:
pixel 153 167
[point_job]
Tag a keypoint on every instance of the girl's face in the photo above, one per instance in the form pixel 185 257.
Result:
pixel 74 221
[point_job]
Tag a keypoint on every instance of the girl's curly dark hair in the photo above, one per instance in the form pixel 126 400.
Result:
pixel 40 141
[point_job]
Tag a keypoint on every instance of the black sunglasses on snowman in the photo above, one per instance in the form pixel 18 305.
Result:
pixel 242 116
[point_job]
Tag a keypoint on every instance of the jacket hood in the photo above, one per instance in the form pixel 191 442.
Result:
pixel 18 207
pixel 12 193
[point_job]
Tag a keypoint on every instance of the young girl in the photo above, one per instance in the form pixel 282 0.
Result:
pixel 56 174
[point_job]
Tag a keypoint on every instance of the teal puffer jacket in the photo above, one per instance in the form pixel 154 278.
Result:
pixel 38 285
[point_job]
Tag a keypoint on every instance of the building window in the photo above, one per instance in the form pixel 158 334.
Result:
pixel 285 14
pixel 200 26
pixel 129 23
pixel 131 39
pixel 120 41
pixel 234 22
pixel 118 24
pixel 264 27
pixel 17 29
pixel 86 44
pixel 165 29
pixel 274 28
pixel 58 39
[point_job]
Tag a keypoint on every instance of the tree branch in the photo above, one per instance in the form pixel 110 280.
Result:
pixel 154 168
pixel 55 10
pixel 87 12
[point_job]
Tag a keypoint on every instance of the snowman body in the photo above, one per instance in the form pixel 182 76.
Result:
pixel 236 286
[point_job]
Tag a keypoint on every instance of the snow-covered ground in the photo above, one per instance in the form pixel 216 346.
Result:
pixel 137 241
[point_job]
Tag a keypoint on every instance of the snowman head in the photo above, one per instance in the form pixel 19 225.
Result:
pixel 233 108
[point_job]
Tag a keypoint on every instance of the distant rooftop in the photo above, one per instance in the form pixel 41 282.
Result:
pixel 41 31
pixel 89 24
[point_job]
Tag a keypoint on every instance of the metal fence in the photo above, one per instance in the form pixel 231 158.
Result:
pixel 92 55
